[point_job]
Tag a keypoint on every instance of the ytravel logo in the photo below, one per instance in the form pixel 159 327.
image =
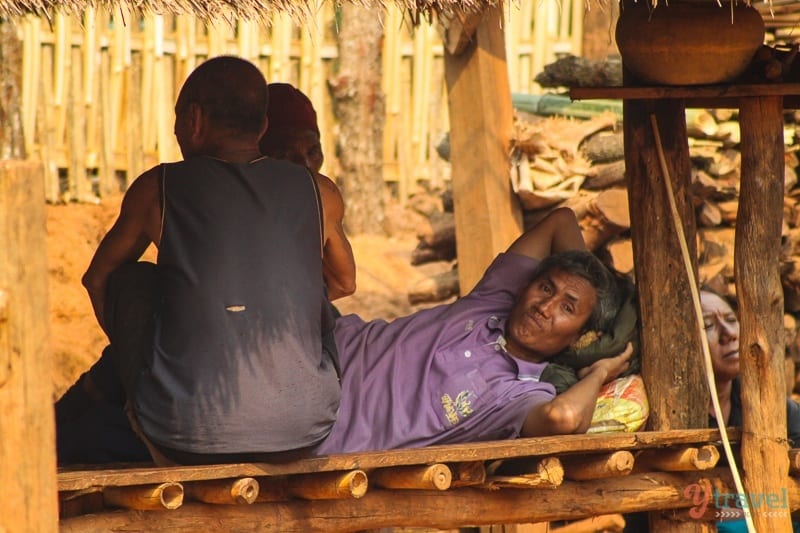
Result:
pixel 734 505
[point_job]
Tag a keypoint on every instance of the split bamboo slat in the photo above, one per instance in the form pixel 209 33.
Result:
pixel 547 473
pixel 98 91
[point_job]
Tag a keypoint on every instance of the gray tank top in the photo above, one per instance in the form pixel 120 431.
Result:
pixel 238 365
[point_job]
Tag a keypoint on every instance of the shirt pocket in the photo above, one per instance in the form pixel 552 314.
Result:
pixel 460 396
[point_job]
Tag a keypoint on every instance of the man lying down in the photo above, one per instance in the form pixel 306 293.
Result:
pixel 467 371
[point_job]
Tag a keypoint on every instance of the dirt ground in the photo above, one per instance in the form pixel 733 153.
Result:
pixel 384 273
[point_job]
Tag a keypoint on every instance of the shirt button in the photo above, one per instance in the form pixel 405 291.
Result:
pixel 496 347
pixel 468 354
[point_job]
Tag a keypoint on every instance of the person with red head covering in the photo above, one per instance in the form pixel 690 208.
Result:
pixel 292 134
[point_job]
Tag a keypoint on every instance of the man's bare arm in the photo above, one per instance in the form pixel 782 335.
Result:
pixel 137 225
pixel 338 263
pixel 571 411
pixel 557 232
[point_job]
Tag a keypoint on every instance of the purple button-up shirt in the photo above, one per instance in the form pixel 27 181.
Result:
pixel 438 376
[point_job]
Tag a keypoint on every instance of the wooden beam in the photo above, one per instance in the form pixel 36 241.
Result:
pixel 488 216
pixel 27 431
pixel 433 509
pixel 760 295
pixel 79 479
pixel 672 366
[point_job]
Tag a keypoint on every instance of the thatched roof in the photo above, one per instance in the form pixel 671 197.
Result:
pixel 260 10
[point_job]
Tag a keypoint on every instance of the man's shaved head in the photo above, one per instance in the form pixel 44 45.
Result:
pixel 231 91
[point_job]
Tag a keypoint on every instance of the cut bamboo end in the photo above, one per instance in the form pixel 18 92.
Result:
pixel 680 460
pixel 579 468
pixel 426 477
pixel 224 491
pixel 145 497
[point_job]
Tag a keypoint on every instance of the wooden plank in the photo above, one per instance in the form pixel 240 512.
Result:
pixel 75 478
pixel 488 216
pixel 758 288
pixel 434 509
pixel 27 436
pixel 685 92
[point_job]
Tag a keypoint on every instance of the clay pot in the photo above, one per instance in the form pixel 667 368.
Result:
pixel 688 43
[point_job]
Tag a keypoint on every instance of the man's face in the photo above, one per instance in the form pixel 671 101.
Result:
pixel 301 147
pixel 549 315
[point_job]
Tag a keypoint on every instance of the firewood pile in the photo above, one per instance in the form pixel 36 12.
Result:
pixel 560 161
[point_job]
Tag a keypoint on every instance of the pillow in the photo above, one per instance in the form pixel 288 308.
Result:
pixel 621 406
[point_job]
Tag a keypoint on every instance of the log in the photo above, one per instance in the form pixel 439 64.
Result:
pixel 425 254
pixel 223 491
pixel 435 288
pixel 621 252
pixel 758 289
pixel 670 337
pixel 607 523
pixel 574 71
pixel 607 216
pixel 145 497
pixel 468 474
pixel 423 477
pixel 547 473
pixel 321 486
pixel 605 175
pixel 603 147
pixel 678 460
pixel 438 229
pixel 583 467
pixel 431 509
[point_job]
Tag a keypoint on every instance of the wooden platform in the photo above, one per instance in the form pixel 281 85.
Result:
pixel 517 481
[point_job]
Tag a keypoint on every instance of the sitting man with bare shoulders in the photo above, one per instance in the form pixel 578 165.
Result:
pixel 293 135
pixel 217 349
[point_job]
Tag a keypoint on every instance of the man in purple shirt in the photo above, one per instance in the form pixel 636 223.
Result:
pixel 469 371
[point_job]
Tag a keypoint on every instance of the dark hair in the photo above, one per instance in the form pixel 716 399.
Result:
pixel 605 282
pixel 231 91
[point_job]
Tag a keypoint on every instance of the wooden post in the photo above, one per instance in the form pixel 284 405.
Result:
pixel 672 366
pixel 758 287
pixel 27 432
pixel 488 217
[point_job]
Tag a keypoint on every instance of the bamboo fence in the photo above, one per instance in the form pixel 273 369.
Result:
pixel 98 91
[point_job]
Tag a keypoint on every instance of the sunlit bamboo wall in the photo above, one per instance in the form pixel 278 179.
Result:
pixel 98 93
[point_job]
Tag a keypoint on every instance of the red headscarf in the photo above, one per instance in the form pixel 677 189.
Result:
pixel 289 109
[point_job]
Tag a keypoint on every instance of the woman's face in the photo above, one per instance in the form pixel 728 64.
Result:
pixel 722 331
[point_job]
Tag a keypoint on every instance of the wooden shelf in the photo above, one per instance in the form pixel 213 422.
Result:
pixel 695 96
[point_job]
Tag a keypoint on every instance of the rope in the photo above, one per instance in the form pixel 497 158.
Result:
pixel 676 220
